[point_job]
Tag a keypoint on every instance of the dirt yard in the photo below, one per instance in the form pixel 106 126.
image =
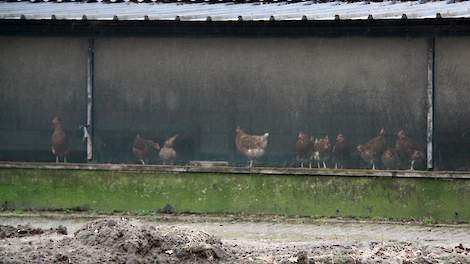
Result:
pixel 129 240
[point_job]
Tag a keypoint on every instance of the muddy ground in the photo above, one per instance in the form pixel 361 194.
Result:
pixel 128 240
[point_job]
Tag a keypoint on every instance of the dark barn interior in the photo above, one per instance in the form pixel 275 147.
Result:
pixel 203 88
pixel 452 103
pixel 202 80
pixel 41 78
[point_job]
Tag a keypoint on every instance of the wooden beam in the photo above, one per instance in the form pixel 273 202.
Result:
pixel 89 119
pixel 463 175
pixel 430 103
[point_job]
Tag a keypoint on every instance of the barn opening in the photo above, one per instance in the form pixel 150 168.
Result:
pixel 122 88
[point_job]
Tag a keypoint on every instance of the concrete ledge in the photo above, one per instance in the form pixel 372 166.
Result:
pixel 239 170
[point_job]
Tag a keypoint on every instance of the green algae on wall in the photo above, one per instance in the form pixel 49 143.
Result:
pixel 291 195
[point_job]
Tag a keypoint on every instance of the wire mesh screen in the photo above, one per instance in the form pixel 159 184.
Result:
pixel 286 102
pixel 42 78
pixel 452 106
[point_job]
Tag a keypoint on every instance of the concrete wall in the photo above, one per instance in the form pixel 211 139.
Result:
pixel 40 78
pixel 202 88
pixel 452 103
pixel 444 201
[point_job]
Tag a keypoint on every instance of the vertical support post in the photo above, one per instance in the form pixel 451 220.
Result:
pixel 232 125
pixel 89 119
pixel 430 103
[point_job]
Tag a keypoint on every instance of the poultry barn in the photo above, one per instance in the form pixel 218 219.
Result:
pixel 290 86
pixel 114 72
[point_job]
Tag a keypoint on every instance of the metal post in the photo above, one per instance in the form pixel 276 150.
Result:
pixel 430 103
pixel 89 119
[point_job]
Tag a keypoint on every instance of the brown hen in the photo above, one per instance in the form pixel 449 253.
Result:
pixel 252 146
pixel 408 150
pixel 59 141
pixel 340 151
pixel 303 149
pixel 371 151
pixel 143 147
pixel 168 153
pixel 417 157
pixel 321 151
pixel 390 159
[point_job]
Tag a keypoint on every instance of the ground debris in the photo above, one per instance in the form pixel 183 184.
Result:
pixel 147 242
pixel 460 249
pixel 121 240
pixel 374 252
pixel 8 231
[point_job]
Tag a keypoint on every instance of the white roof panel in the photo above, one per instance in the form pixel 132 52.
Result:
pixel 232 11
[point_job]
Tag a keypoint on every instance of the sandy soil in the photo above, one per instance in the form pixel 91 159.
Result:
pixel 123 240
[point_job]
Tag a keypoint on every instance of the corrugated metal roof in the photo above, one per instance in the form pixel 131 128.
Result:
pixel 234 11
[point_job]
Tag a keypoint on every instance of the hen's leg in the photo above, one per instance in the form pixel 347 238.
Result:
pixel 142 161
pixel 301 164
pixel 412 165
pixel 251 164
pixel 324 165
pixel 56 159
pixel 373 165
pixel 336 165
